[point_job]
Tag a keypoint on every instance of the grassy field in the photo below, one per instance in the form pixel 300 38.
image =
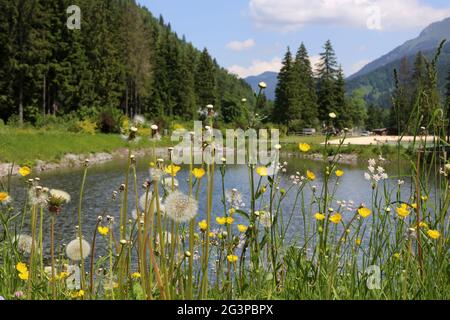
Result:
pixel 27 146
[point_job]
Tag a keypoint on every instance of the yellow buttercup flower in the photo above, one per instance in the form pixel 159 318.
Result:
pixel 212 235
pixel 319 216
pixel 364 212
pixel 230 220
pixel 24 275
pixel 339 173
pixel 232 211
pixel 103 230
pixel 242 228
pixel 78 294
pixel 232 258
pixel 63 275
pixel 311 176
pixel 4 197
pixel 304 147
pixel 136 275
pixel 172 170
pixel 358 242
pixel 262 171
pixel 434 234
pixel 22 267
pixel 424 198
pixel 403 211
pixel 221 220
pixel 423 225
pixel 203 225
pixel 24 171
pixel 336 218
pixel 414 205
pixel 198 172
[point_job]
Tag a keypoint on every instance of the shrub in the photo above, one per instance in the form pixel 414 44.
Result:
pixel 87 126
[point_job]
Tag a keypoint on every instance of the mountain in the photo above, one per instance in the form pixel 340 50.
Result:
pixel 270 78
pixel 428 39
pixel 377 78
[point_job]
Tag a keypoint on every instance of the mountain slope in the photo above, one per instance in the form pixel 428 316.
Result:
pixel 428 39
pixel 270 78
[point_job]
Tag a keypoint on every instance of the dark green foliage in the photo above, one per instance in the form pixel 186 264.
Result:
pixel 123 59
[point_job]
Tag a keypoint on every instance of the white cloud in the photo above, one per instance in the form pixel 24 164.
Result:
pixel 371 14
pixel 359 65
pixel 256 68
pixel 241 45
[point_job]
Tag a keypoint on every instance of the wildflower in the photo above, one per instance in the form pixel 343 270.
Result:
pixel 396 255
pixel 103 230
pixel 24 243
pixel 242 228
pixel 232 258
pixel 310 175
pixel 232 211
pixel 364 212
pixel 424 198
pixel 358 242
pixel 423 225
pixel 336 218
pixel 265 218
pixel 4 197
pixel 136 276
pixel 434 234
pixel 262 85
pixel 172 170
pixel 403 211
pixel 57 199
pixel 203 225
pixel 414 206
pixel 304 147
pixel 198 172
pixel 234 198
pixel 78 294
pixel 180 207
pixel 339 173
pixel 18 294
pixel 230 220
pixel 319 216
pixel 221 220
pixel 332 115
pixel 73 249
pixel 21 267
pixel 262 171
pixel 24 171
pixel 23 271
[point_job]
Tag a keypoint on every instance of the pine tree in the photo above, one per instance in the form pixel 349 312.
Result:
pixel 306 87
pixel 287 103
pixel 402 98
pixel 327 74
pixel 205 80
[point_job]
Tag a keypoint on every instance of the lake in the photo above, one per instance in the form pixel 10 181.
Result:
pixel 103 179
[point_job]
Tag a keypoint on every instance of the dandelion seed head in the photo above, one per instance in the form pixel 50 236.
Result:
pixel 61 195
pixel 24 243
pixel 180 207
pixel 73 249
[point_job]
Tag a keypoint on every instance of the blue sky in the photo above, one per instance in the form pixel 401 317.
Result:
pixel 251 36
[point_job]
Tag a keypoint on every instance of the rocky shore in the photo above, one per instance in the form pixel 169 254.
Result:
pixel 76 161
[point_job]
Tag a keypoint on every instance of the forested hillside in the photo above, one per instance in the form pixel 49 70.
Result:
pixel 122 61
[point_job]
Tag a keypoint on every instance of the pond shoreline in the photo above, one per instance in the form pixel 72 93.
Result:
pixel 77 161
